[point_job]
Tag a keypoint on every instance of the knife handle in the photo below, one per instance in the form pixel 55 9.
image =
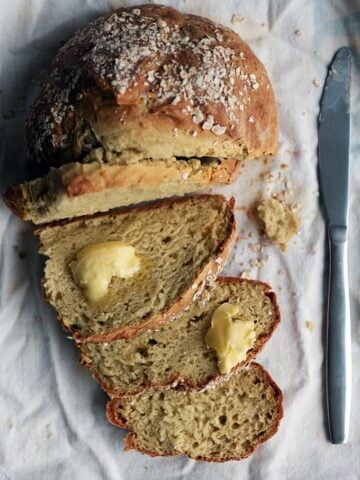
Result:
pixel 338 355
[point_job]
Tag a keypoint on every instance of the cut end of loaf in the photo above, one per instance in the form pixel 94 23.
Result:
pixel 226 422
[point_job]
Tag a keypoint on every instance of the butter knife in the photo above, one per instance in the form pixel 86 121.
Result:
pixel 334 135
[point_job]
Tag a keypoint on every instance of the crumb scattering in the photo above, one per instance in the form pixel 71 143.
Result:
pixel 298 33
pixel 316 82
pixel 258 262
pixel 280 222
pixel 237 18
pixel 255 247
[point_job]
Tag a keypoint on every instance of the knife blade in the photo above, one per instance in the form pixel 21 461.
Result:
pixel 334 137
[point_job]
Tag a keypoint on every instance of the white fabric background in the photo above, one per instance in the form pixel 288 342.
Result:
pixel 52 421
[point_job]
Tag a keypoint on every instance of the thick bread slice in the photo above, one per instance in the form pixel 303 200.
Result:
pixel 226 422
pixel 177 353
pixel 182 244
pixel 77 189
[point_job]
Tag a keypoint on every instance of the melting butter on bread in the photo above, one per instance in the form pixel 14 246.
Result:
pixel 182 245
pixel 177 354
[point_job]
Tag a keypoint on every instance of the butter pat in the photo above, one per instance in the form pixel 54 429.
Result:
pixel 230 336
pixel 95 265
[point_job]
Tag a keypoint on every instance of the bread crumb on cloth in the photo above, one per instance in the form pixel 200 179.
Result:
pixel 258 262
pixel 310 325
pixel 279 221
pixel 245 274
pixel 237 18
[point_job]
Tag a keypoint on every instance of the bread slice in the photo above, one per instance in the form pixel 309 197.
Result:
pixel 77 189
pixel 183 244
pixel 177 353
pixel 226 422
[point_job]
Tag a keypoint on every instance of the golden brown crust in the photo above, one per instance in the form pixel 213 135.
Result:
pixel 77 179
pixel 183 382
pixel 15 200
pixel 151 79
pixel 204 276
pixel 143 175
pixel 113 416
pixel 116 418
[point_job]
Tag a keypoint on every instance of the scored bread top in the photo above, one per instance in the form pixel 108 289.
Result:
pixel 225 422
pixel 183 244
pixel 151 82
pixel 176 354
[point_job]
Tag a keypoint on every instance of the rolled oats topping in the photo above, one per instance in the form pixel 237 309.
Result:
pixel 136 56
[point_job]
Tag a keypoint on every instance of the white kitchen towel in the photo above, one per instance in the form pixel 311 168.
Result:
pixel 52 421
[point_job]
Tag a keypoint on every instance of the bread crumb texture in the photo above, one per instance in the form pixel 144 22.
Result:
pixel 77 188
pixel 218 424
pixel 177 353
pixel 280 222
pixel 174 241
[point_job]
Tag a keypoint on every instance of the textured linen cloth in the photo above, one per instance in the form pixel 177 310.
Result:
pixel 52 422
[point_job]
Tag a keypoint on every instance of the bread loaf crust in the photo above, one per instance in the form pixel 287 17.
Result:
pixel 142 176
pixel 78 180
pixel 204 277
pixel 115 417
pixel 184 382
pixel 15 199
pixel 141 82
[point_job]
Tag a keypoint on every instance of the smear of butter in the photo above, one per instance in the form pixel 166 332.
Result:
pixel 95 265
pixel 229 336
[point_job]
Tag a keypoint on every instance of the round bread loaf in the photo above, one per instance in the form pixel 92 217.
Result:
pixel 149 82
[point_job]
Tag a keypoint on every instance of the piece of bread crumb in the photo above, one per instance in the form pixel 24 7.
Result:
pixel 245 274
pixel 310 325
pixel 237 18
pixel 280 222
